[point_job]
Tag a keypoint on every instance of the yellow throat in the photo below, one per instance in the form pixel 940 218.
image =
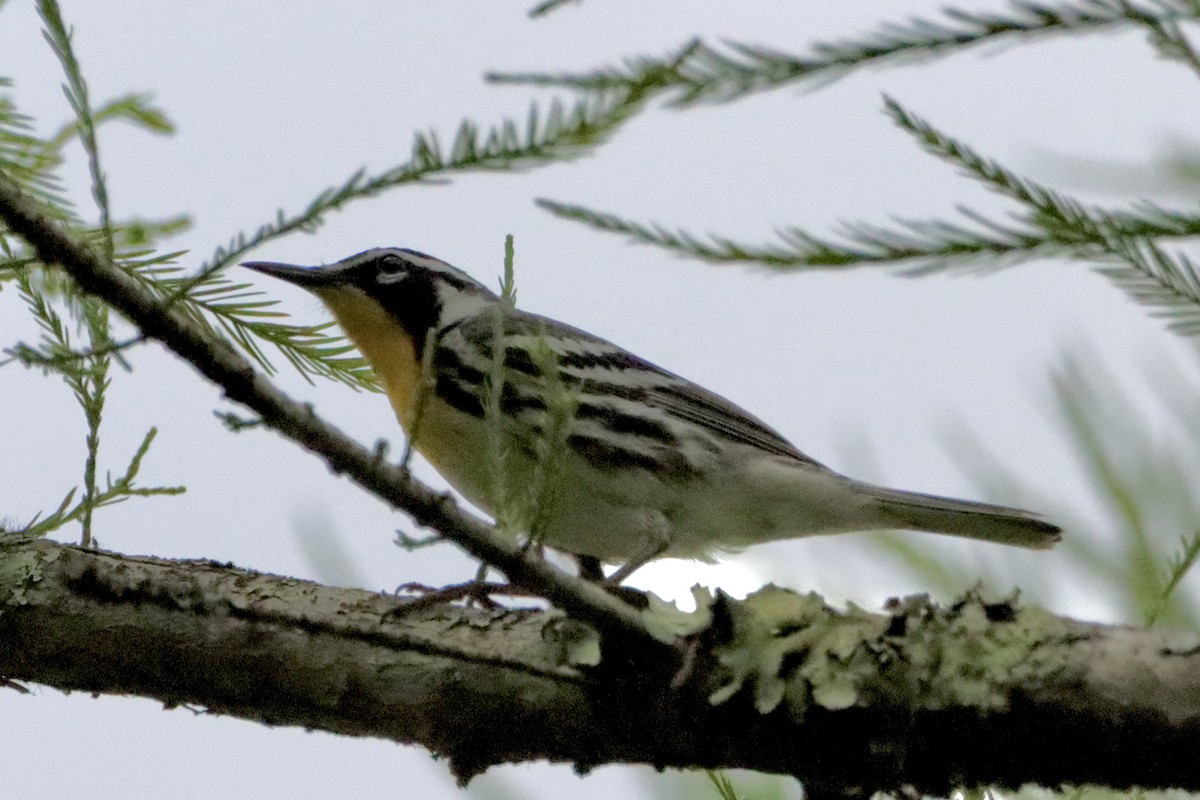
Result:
pixel 383 341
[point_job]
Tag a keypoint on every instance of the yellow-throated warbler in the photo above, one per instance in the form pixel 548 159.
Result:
pixel 653 465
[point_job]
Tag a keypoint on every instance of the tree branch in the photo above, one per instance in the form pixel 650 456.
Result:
pixel 216 360
pixel 975 694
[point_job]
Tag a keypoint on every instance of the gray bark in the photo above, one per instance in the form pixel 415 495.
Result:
pixel 921 698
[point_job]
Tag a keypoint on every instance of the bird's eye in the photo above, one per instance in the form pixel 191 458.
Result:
pixel 389 269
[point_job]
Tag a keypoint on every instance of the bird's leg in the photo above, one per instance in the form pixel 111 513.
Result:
pixel 532 546
pixel 590 568
pixel 658 539
pixel 640 560
pixel 477 591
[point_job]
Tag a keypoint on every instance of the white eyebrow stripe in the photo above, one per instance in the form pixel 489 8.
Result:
pixel 418 261
pixel 417 258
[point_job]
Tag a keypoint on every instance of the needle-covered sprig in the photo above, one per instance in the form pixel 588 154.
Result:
pixel 699 72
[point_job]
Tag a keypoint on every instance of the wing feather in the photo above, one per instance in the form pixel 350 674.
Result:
pixel 709 410
pixel 602 367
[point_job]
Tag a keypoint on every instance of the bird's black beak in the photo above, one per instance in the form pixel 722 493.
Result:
pixel 304 277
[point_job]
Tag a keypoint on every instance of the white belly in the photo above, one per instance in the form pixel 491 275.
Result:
pixel 614 514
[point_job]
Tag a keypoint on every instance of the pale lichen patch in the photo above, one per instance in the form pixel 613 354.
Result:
pixel 793 649
pixel 21 570
pixel 974 652
pixel 793 646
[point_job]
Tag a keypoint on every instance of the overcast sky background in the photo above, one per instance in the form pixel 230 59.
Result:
pixel 865 371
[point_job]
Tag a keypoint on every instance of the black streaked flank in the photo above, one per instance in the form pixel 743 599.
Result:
pixel 468 398
pixel 461 396
pixel 447 362
pixel 607 456
pixel 462 386
pixel 458 383
pixel 519 359
pixel 625 423
pixel 513 403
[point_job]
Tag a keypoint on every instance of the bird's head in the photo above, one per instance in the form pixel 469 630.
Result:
pixel 377 290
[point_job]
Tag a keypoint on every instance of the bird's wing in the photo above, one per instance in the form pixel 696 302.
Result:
pixel 696 404
pixel 601 367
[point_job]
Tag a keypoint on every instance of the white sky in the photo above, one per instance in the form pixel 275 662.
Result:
pixel 273 106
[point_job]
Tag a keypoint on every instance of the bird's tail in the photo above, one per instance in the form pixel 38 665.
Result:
pixel 927 512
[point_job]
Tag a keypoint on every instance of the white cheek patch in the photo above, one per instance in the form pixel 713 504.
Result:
pixel 455 305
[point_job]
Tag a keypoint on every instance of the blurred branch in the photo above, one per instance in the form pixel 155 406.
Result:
pixel 1137 449
pixel 547 6
pixel 1177 568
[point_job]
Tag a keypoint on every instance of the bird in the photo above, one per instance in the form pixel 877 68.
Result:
pixel 646 464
